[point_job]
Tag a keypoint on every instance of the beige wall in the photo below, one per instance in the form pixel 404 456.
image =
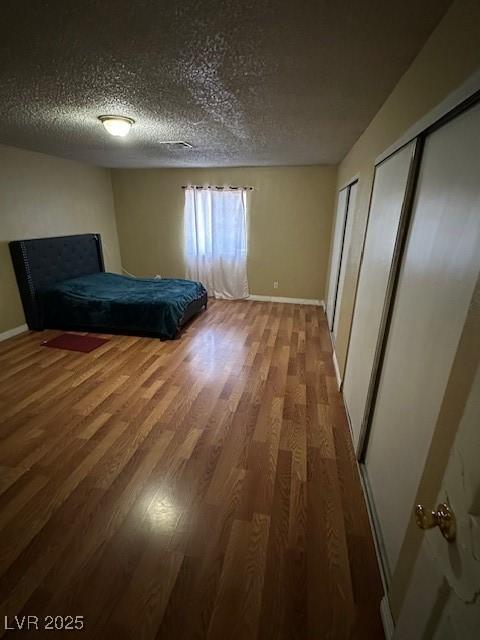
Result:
pixel 451 54
pixel 290 216
pixel 45 196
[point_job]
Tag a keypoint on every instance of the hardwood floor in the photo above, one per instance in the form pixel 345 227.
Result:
pixel 199 488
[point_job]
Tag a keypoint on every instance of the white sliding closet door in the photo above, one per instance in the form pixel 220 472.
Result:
pixel 388 195
pixel 440 268
pixel 336 253
pixel 343 260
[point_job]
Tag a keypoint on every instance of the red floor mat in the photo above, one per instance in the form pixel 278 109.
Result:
pixel 75 342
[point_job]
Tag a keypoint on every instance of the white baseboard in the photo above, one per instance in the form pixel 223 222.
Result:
pixel 335 361
pixel 13 332
pixel 387 619
pixel 337 370
pixel 315 303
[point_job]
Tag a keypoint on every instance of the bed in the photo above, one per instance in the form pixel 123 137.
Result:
pixel 63 285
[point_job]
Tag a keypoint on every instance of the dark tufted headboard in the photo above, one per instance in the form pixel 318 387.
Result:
pixel 41 262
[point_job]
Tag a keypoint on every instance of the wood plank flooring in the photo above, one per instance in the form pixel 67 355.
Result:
pixel 198 488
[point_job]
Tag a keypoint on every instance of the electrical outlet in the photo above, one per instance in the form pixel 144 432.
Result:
pixel 275 284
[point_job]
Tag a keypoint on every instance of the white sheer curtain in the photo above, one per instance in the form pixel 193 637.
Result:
pixel 216 241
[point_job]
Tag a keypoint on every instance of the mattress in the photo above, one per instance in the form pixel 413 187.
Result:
pixel 113 303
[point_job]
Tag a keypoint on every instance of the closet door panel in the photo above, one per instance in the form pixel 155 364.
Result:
pixel 388 195
pixel 345 249
pixel 336 252
pixel 438 275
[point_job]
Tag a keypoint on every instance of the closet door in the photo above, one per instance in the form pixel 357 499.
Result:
pixel 387 204
pixel 352 197
pixel 338 235
pixel 439 270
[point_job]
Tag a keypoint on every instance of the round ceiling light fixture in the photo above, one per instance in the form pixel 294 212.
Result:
pixel 117 125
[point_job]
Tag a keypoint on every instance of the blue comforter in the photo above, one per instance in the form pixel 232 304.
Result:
pixel 107 301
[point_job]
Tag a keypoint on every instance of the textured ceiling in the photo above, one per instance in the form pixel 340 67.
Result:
pixel 246 82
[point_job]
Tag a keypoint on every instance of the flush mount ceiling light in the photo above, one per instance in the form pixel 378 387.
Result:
pixel 116 125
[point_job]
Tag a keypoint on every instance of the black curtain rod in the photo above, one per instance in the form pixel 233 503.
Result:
pixel 217 188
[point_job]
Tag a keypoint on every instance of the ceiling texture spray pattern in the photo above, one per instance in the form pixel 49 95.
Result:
pixel 245 82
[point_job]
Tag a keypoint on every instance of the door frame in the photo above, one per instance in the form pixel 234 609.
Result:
pixel 348 186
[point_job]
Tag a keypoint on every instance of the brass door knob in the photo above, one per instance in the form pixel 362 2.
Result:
pixel 443 518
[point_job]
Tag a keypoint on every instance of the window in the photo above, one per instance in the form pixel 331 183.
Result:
pixel 216 240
